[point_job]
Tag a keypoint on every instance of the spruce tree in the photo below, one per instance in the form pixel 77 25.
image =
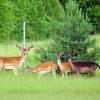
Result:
pixel 72 35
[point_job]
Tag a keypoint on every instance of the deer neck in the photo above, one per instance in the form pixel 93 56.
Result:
pixel 23 57
pixel 59 63
pixel 71 64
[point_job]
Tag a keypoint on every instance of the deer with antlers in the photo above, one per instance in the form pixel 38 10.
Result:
pixel 42 68
pixel 14 62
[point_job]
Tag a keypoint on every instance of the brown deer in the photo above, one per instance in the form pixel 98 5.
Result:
pixel 64 67
pixel 45 67
pixel 14 62
pixel 80 67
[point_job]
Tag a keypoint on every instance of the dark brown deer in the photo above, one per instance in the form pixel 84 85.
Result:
pixel 14 63
pixel 83 66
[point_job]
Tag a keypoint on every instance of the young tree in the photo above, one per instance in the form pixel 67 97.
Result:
pixel 72 34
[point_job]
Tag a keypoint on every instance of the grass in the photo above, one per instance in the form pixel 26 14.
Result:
pixel 29 87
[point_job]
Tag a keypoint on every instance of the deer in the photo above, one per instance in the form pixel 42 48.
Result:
pixel 64 67
pixel 81 67
pixel 14 63
pixel 42 68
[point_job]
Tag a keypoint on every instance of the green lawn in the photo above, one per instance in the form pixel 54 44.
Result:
pixel 29 87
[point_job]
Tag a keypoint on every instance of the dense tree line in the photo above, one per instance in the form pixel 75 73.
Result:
pixel 34 12
pixel 7 19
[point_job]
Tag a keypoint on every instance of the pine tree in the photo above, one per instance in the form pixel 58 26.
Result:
pixel 73 34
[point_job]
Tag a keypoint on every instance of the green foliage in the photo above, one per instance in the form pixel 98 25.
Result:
pixel 34 12
pixel 92 7
pixel 45 51
pixel 72 34
pixel 94 14
pixel 53 9
pixel 7 19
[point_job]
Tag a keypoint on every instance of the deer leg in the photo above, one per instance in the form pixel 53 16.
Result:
pixel 54 73
pixel 66 73
pixel 1 68
pixel 77 73
pixel 89 74
pixel 63 74
pixel 92 71
pixel 40 74
pixel 15 72
pixel 93 74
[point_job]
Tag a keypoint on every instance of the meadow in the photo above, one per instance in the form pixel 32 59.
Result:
pixel 30 87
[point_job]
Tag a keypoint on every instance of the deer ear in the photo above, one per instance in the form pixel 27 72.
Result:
pixel 28 49
pixel 20 48
pixel 27 67
pixel 57 54
pixel 31 46
pixel 73 53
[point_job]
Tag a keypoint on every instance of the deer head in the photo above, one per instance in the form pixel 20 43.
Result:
pixel 24 50
pixel 58 55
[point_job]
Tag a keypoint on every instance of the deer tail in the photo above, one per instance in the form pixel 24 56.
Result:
pixel 97 66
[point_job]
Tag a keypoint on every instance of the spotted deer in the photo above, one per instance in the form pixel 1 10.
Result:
pixel 14 63
pixel 42 68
